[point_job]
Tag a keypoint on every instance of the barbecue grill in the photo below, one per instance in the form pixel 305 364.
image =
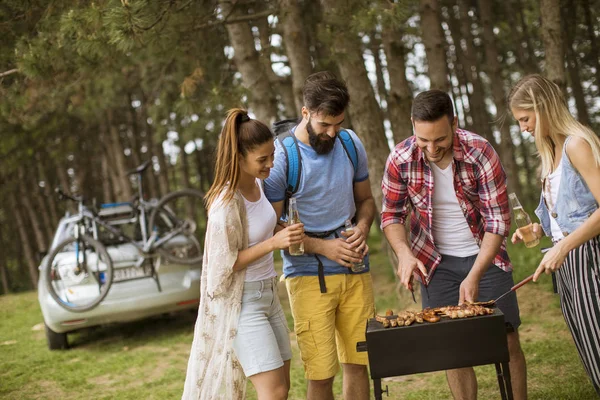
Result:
pixel 447 344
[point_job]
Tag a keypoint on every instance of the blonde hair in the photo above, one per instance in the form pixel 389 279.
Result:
pixel 553 119
pixel 240 134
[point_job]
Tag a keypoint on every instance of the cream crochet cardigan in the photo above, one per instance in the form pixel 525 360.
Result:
pixel 213 369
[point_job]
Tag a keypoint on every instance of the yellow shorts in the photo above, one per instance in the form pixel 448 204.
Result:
pixel 328 325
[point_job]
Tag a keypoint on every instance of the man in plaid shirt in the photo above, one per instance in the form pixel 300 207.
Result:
pixel 452 183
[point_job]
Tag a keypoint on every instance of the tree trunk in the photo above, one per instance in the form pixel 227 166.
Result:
pixel 107 195
pixel 163 173
pixel 48 197
pixel 31 210
pixel 494 73
pixel 25 244
pixel 400 94
pixel 185 170
pixel 3 267
pixel 479 113
pixel 296 45
pixel 149 132
pixel 375 48
pixel 524 54
pixel 594 54
pixel 365 112
pixel 530 186
pixel 254 78
pixel 460 71
pixel 553 42
pixel 433 38
pixel 42 210
pixel 284 91
pixel 119 158
pixel 569 28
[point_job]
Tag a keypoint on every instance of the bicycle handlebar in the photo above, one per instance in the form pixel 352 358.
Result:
pixel 62 194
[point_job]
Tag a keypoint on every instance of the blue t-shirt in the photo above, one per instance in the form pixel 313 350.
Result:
pixel 325 198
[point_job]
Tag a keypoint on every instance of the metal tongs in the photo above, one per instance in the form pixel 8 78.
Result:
pixel 491 303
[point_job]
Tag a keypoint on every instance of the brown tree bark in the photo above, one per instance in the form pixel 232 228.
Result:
pixel 365 112
pixel 296 45
pixel 400 94
pixel 254 78
pixel 375 47
pixel 553 42
pixel 42 210
pixel 569 28
pixel 479 112
pixel 282 86
pixel 119 158
pixel 157 181
pixel 163 173
pixel 530 188
pixel 48 191
pixel 594 53
pixel 433 38
pixel 17 207
pixel 524 54
pixel 460 71
pixel 4 267
pixel 185 169
pixel 107 195
pixel 494 73
pixel 31 211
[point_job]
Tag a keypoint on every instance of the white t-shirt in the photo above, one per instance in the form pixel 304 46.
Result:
pixel 554 179
pixel 261 223
pixel 451 233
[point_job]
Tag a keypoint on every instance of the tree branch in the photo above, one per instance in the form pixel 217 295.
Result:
pixel 9 72
pixel 239 19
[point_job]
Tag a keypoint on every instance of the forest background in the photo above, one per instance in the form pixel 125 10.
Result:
pixel 90 89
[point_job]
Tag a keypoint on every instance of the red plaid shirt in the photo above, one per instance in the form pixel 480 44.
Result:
pixel 479 183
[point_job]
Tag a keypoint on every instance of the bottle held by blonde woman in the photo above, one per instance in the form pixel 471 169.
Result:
pixel 523 222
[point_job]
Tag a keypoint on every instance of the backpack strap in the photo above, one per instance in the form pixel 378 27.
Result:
pixel 283 132
pixel 349 147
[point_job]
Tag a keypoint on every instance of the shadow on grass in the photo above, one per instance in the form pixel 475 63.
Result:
pixel 158 330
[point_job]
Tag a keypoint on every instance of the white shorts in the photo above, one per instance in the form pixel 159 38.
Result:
pixel 262 342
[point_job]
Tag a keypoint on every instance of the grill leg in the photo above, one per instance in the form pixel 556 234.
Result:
pixel 506 371
pixel 377 389
pixel 503 374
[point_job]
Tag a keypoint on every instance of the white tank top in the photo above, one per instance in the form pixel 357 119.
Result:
pixel 554 179
pixel 261 223
pixel 451 233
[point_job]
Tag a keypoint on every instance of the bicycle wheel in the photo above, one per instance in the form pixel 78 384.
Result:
pixel 79 273
pixel 179 220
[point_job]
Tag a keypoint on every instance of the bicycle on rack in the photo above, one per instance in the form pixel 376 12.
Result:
pixel 79 270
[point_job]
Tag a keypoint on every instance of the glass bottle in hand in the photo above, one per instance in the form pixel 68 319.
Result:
pixel 294 218
pixel 356 266
pixel 523 222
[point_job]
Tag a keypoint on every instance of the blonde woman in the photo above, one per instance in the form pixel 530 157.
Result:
pixel 241 329
pixel 568 209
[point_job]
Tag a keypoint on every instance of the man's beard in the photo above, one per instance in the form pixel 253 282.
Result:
pixel 322 143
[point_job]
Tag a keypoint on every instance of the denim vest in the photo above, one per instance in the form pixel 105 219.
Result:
pixel 574 204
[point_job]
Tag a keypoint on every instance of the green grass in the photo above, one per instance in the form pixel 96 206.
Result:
pixel 148 359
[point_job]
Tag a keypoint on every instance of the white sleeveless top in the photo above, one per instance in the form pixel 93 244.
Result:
pixel 451 233
pixel 554 180
pixel 261 224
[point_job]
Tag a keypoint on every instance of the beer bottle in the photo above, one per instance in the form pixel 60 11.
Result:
pixel 523 222
pixel 356 266
pixel 294 218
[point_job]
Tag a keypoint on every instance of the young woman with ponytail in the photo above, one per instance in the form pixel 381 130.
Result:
pixel 241 330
